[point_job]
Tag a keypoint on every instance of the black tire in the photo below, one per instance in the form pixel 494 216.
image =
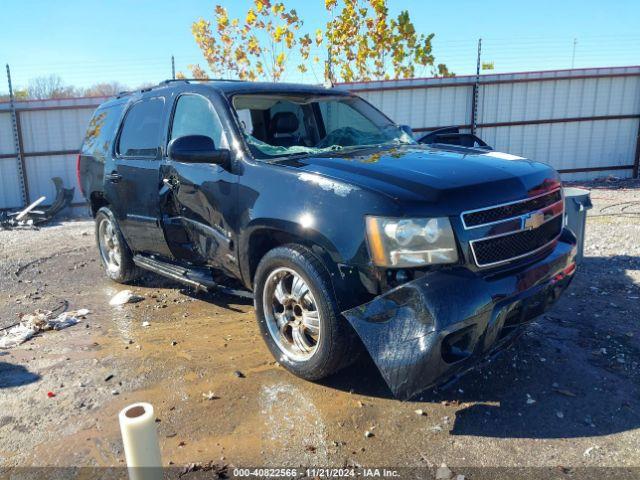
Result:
pixel 336 345
pixel 125 270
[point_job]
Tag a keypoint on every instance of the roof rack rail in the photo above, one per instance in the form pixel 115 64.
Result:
pixel 188 80
pixel 174 80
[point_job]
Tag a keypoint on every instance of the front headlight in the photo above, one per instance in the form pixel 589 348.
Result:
pixel 410 242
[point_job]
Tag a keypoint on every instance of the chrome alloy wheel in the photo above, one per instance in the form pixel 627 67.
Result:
pixel 109 245
pixel 291 314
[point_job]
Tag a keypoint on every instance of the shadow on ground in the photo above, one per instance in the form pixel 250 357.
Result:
pixel 219 299
pixel 15 375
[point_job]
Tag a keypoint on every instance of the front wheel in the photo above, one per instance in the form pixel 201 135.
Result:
pixel 115 255
pixel 298 315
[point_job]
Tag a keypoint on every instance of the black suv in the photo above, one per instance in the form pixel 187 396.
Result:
pixel 347 230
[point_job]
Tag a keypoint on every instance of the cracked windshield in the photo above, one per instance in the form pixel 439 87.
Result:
pixel 282 125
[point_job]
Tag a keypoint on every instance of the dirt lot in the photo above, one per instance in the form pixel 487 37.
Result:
pixel 567 395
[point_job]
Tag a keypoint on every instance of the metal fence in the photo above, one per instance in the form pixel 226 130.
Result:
pixel 584 122
pixel 45 145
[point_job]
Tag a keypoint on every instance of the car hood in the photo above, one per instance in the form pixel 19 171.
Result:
pixel 454 179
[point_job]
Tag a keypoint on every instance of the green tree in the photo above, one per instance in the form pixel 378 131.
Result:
pixel 365 43
pixel 362 41
pixel 254 47
pixel 18 94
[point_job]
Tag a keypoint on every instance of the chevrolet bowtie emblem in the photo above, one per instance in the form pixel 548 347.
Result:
pixel 532 220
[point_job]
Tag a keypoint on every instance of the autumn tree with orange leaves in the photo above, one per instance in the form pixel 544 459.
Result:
pixel 361 41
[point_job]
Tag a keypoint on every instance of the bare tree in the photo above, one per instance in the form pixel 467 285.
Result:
pixel 50 86
pixel 105 89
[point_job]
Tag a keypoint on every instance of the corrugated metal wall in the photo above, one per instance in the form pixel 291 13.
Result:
pixel 50 132
pixel 584 122
pixel 9 179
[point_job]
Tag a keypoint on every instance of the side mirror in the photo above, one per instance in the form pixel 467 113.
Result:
pixel 406 129
pixel 197 149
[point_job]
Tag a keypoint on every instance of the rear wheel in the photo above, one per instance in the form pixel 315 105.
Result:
pixel 298 314
pixel 115 255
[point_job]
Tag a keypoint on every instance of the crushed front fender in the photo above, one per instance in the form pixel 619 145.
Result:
pixel 427 330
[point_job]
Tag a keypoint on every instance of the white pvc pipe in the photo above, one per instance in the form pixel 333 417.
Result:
pixel 140 439
pixel 30 207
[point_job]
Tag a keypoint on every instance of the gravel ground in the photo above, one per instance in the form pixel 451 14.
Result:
pixel 565 397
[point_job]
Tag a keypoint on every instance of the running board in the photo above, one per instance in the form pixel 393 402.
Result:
pixel 197 278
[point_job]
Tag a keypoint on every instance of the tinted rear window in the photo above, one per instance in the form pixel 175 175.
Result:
pixel 140 135
pixel 101 130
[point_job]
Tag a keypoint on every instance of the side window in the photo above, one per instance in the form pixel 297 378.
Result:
pixel 100 132
pixel 195 115
pixel 140 136
pixel 246 122
pixel 337 115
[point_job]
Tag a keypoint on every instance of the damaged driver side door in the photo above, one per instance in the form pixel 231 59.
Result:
pixel 197 199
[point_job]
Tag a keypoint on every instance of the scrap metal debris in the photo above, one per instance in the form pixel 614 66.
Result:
pixel 39 321
pixel 29 217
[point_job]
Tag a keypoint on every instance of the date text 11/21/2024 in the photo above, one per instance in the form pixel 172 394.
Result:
pixel 319 472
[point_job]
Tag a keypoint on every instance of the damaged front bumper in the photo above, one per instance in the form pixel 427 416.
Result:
pixel 424 332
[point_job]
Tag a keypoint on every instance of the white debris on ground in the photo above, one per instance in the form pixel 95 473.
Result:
pixel 123 297
pixel 443 472
pixel 39 321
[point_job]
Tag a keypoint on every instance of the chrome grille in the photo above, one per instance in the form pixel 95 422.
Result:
pixel 478 218
pixel 533 224
pixel 492 251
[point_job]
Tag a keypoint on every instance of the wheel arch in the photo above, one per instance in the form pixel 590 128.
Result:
pixel 97 200
pixel 260 237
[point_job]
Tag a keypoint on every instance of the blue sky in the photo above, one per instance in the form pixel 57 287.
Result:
pixel 87 41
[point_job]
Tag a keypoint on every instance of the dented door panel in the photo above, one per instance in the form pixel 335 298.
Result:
pixel 197 201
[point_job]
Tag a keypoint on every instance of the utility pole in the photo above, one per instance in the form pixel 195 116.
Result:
pixel 173 68
pixel 573 56
pixel 16 140
pixel 476 88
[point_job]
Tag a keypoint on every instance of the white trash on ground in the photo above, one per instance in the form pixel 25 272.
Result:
pixel 124 296
pixel 39 321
